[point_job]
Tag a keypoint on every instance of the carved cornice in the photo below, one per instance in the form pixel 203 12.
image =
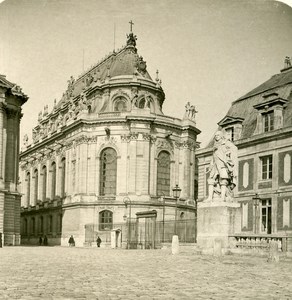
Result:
pixel 130 137
pixel 186 145
pixel 148 137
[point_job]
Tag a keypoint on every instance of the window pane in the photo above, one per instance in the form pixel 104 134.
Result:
pixel 163 174
pixel 108 172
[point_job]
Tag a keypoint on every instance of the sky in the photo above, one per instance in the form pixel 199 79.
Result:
pixel 208 52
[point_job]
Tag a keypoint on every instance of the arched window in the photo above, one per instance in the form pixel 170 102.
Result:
pixel 108 172
pixel 53 181
pixel 144 102
pixel 50 219
pixel 36 186
pixel 27 180
pixel 60 223
pixel 25 227
pixel 63 174
pixel 41 225
pixel 163 174
pixel 120 104
pixel 44 183
pixel 105 220
pixel 33 226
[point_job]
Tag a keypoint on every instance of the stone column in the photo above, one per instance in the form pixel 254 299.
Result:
pixel 2 113
pixel 133 161
pixel 185 181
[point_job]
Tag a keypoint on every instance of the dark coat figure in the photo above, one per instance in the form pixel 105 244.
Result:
pixel 98 241
pixel 40 241
pixel 71 241
pixel 45 241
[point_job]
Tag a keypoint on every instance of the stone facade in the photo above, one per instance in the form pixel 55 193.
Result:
pixel 259 123
pixel 105 152
pixel 11 100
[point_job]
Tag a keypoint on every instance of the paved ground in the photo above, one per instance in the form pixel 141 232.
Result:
pixel 82 273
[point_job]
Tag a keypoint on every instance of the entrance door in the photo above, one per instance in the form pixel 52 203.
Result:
pixel 266 216
pixel 146 233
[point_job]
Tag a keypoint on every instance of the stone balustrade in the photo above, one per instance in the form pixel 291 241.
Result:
pixel 259 243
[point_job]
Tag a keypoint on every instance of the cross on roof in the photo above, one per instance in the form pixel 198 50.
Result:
pixel 131 25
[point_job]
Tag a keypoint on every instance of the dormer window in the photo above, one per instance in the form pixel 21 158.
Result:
pixel 120 104
pixel 268 121
pixel 230 133
pixel 270 113
pixel 232 127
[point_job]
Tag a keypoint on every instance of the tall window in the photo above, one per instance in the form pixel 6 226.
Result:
pixel 120 104
pixel 108 172
pixel 53 182
pixel 163 174
pixel 33 226
pixel 50 219
pixel 60 222
pixel 63 174
pixel 41 225
pixel 267 167
pixel 266 216
pixel 44 183
pixel 268 120
pixel 25 226
pixel 27 180
pixel 36 185
pixel 230 133
pixel 105 220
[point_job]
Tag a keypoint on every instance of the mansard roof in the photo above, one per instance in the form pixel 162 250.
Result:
pixel 278 80
pixel 12 88
pixel 278 86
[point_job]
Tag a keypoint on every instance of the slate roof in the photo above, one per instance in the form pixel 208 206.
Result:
pixel 124 62
pixel 244 106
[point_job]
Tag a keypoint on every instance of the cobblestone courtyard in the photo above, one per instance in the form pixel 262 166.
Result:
pixel 81 273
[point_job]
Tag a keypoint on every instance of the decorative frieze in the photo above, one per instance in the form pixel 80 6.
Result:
pixel 186 145
pixel 148 137
pixel 129 137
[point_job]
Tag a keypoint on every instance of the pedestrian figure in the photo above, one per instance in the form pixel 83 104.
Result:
pixel 71 241
pixel 45 241
pixel 40 241
pixel 98 241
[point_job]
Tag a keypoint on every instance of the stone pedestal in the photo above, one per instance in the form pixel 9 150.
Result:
pixel 216 222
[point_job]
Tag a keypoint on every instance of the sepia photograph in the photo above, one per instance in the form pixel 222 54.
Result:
pixel 145 149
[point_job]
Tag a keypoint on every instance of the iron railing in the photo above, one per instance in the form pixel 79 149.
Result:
pixel 144 234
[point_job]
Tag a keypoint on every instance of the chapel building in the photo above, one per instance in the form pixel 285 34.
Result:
pixel 260 125
pixel 106 159
pixel 11 100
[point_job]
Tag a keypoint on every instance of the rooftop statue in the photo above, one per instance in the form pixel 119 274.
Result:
pixel 287 62
pixel 223 169
pixel 190 112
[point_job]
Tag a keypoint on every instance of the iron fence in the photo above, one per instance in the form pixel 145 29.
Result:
pixel 145 234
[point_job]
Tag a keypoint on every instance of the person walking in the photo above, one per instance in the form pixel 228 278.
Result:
pixel 40 241
pixel 71 241
pixel 45 241
pixel 98 241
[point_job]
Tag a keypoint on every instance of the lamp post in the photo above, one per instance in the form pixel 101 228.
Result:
pixel 176 194
pixel 163 214
pixel 127 202
pixel 256 201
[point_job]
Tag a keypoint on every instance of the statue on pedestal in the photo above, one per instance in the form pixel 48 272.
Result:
pixel 223 169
